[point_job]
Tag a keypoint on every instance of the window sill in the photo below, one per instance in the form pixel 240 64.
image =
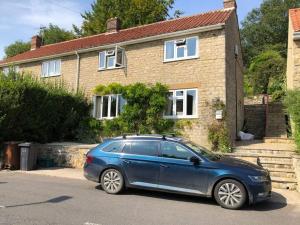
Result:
pixel 114 68
pixel 56 75
pixel 180 59
pixel 181 117
pixel 106 118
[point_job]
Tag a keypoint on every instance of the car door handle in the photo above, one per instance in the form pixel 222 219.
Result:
pixel 126 161
pixel 163 166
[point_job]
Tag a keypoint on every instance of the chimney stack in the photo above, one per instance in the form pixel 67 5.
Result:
pixel 113 25
pixel 230 4
pixel 36 42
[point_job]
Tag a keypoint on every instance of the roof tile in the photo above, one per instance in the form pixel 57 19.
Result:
pixel 295 17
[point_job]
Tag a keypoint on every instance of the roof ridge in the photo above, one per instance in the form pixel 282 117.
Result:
pixel 144 25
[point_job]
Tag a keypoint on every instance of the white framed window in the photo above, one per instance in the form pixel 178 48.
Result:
pixel 51 68
pixel 6 70
pixel 111 59
pixel 182 104
pixel 180 49
pixel 108 106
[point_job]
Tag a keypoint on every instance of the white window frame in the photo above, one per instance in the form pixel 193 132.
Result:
pixel 47 63
pixel 185 49
pixel 7 69
pixel 109 117
pixel 112 53
pixel 184 97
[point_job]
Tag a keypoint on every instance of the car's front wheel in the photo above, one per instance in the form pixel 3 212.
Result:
pixel 230 194
pixel 112 181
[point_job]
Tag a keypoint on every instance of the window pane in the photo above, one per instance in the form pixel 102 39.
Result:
pixel 44 69
pixel 169 50
pixel 191 102
pixel 113 147
pixel 51 67
pixel 98 107
pixel 149 148
pixel 179 93
pixel 102 59
pixel 169 106
pixel 119 58
pixel 17 69
pixel 121 103
pixel 6 71
pixel 175 151
pixel 191 46
pixel 113 106
pixel 180 52
pixel 127 148
pixel 179 107
pixel 110 61
pixel 57 66
pixel 105 106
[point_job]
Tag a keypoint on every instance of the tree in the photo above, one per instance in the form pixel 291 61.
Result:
pixel 267 73
pixel 54 34
pixel 131 13
pixel 16 48
pixel 266 28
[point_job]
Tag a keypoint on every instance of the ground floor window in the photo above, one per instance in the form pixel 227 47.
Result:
pixel 182 104
pixel 108 106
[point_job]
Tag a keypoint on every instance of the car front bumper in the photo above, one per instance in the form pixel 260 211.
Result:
pixel 260 192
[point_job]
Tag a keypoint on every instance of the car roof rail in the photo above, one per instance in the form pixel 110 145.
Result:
pixel 127 134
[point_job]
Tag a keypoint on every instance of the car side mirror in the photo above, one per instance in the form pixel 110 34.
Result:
pixel 195 160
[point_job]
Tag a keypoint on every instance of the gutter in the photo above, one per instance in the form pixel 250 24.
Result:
pixel 78 71
pixel 131 42
pixel 296 36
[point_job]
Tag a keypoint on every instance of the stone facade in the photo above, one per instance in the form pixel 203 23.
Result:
pixel 216 73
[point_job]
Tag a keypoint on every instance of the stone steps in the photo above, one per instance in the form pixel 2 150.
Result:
pixel 265 151
pixel 284 183
pixel 279 140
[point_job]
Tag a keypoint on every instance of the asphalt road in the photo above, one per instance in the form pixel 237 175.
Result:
pixel 42 200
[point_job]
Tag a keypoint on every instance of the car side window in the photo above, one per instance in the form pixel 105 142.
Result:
pixel 115 146
pixel 175 151
pixel 148 148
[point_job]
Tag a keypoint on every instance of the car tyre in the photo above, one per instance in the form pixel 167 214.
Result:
pixel 230 194
pixel 112 181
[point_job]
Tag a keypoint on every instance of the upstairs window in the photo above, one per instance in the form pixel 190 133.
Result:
pixel 181 49
pixel 51 68
pixel 111 59
pixel 182 104
pixel 108 106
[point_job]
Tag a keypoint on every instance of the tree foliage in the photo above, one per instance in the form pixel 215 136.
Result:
pixel 54 34
pixel 16 48
pixel 143 111
pixel 267 73
pixel 131 13
pixel 266 28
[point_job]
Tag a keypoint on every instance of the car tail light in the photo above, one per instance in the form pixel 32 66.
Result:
pixel 89 159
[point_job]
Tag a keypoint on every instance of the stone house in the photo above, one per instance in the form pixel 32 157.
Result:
pixel 198 57
pixel 293 59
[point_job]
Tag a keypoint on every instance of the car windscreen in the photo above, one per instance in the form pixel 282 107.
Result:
pixel 203 151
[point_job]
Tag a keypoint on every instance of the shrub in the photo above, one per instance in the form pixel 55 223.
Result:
pixel 143 112
pixel 292 103
pixel 39 111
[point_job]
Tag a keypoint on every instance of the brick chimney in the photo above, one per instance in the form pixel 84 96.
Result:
pixel 230 4
pixel 113 25
pixel 36 42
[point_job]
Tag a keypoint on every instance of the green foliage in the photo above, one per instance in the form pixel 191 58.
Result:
pixel 131 13
pixel 16 48
pixel 89 130
pixel 266 28
pixel 267 74
pixel 292 103
pixel 54 34
pixel 39 111
pixel 143 112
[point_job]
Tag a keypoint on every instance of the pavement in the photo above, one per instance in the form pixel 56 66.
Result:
pixel 54 197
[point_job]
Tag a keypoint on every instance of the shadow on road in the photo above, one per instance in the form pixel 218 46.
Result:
pixel 277 201
pixel 53 200
pixel 3 182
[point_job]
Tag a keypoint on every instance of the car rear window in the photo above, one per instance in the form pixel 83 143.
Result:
pixel 115 146
pixel 148 148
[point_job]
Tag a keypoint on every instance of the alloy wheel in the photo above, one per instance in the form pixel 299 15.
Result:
pixel 230 194
pixel 112 181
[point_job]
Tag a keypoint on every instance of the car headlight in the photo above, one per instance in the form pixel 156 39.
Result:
pixel 258 178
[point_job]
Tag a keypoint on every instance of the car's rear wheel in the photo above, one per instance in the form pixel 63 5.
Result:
pixel 112 181
pixel 230 194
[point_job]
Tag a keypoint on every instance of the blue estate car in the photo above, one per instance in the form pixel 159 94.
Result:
pixel 173 164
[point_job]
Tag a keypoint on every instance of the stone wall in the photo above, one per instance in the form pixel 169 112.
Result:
pixel 63 154
pixel 296 165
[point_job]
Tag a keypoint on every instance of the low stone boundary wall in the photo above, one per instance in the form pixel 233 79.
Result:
pixel 296 165
pixel 70 155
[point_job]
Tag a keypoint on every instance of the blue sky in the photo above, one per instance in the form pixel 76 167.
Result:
pixel 21 19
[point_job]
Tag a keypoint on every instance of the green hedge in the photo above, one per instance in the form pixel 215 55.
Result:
pixel 32 110
pixel 292 103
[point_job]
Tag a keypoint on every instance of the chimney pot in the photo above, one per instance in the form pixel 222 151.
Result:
pixel 113 25
pixel 230 4
pixel 36 42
